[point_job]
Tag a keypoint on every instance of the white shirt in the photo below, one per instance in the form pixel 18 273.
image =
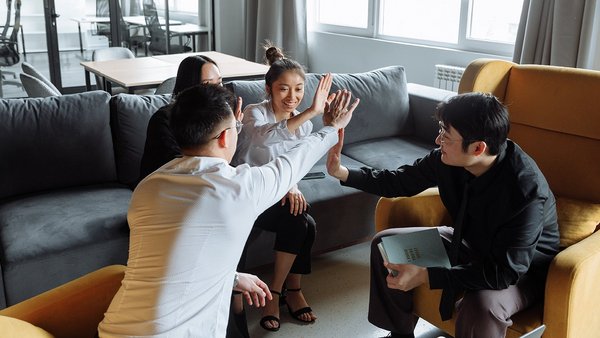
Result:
pixel 263 138
pixel 189 222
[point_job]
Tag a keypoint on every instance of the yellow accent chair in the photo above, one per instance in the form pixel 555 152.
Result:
pixel 72 310
pixel 555 118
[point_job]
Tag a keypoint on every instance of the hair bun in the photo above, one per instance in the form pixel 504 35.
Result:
pixel 273 54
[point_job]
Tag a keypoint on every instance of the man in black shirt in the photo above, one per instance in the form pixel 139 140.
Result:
pixel 504 219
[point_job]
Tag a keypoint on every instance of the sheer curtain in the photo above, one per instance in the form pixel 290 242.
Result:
pixel 282 22
pixel 560 33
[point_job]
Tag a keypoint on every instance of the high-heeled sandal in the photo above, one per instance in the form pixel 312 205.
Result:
pixel 265 319
pixel 296 314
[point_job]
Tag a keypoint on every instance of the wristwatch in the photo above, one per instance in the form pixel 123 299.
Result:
pixel 236 280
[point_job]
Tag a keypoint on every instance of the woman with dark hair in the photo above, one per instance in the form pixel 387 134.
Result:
pixel 161 146
pixel 271 128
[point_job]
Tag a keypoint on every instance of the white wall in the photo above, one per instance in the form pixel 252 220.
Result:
pixel 329 52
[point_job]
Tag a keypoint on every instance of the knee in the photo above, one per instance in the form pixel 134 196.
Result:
pixel 480 308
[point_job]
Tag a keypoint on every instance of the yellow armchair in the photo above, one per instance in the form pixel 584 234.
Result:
pixel 72 310
pixel 554 118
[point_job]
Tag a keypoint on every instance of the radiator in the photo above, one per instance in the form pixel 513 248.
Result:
pixel 448 77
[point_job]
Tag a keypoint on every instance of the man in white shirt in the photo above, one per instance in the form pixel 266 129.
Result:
pixel 190 219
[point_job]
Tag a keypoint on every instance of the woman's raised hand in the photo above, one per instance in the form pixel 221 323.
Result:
pixel 322 97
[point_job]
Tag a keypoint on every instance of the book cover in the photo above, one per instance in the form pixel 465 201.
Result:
pixel 423 248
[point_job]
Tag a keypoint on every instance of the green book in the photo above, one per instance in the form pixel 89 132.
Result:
pixel 423 248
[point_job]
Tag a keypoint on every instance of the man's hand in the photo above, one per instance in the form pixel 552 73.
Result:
pixel 334 163
pixel 254 290
pixel 409 276
pixel 298 203
pixel 339 112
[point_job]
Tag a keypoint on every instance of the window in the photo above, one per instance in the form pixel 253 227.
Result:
pixel 488 26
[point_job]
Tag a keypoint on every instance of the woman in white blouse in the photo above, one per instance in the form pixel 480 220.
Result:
pixel 271 128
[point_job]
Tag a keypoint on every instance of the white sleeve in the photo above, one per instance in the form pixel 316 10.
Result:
pixel 274 179
pixel 261 132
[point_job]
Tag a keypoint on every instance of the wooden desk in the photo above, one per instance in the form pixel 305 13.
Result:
pixel 149 72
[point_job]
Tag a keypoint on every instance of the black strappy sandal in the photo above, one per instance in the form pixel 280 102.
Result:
pixel 296 314
pixel 265 319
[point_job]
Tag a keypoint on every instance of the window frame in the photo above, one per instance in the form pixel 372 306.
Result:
pixel 373 31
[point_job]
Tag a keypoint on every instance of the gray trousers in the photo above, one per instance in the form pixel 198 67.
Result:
pixel 484 313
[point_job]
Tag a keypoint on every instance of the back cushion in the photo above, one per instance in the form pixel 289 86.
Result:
pixel 129 121
pixel 554 117
pixel 55 142
pixel 383 110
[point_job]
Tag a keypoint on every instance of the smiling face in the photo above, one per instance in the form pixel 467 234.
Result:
pixel 286 92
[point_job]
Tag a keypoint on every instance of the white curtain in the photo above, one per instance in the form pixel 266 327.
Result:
pixel 281 21
pixel 560 33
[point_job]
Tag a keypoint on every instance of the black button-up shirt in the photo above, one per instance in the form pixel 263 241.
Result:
pixel 510 221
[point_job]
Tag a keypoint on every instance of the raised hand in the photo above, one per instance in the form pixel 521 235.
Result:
pixel 322 97
pixel 254 290
pixel 238 109
pixel 334 163
pixel 339 111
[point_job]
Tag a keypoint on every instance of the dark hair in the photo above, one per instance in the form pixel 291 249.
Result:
pixel 477 117
pixel 279 64
pixel 189 72
pixel 198 111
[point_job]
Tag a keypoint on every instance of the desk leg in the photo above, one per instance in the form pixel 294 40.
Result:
pixel 194 36
pixel 107 86
pixel 88 83
pixel 80 40
pixel 23 43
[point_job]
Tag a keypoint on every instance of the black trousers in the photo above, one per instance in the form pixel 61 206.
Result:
pixel 484 313
pixel 293 234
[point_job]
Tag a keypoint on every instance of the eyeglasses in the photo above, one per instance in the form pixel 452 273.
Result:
pixel 442 134
pixel 238 129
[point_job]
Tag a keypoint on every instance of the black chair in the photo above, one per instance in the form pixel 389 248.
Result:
pixel 158 36
pixel 9 49
pixel 102 11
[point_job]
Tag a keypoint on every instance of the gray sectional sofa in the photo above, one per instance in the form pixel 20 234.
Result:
pixel 68 164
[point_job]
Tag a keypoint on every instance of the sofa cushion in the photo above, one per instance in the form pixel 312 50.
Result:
pixel 576 220
pixel 399 151
pixel 36 226
pixel 383 110
pixel 129 121
pixel 55 142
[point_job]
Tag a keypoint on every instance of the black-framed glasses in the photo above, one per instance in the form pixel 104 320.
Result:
pixel 238 129
pixel 442 134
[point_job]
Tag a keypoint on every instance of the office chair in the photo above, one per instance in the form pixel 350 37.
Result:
pixel 9 49
pixel 158 36
pixel 36 87
pixel 166 87
pixel 102 11
pixel 110 53
pixel 29 69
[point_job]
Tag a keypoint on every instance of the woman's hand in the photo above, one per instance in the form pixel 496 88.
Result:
pixel 298 203
pixel 254 290
pixel 322 97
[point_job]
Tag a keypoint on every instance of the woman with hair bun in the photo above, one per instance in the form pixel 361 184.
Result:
pixel 271 128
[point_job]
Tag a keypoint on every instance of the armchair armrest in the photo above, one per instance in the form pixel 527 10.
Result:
pixel 424 209
pixel 572 296
pixel 74 309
